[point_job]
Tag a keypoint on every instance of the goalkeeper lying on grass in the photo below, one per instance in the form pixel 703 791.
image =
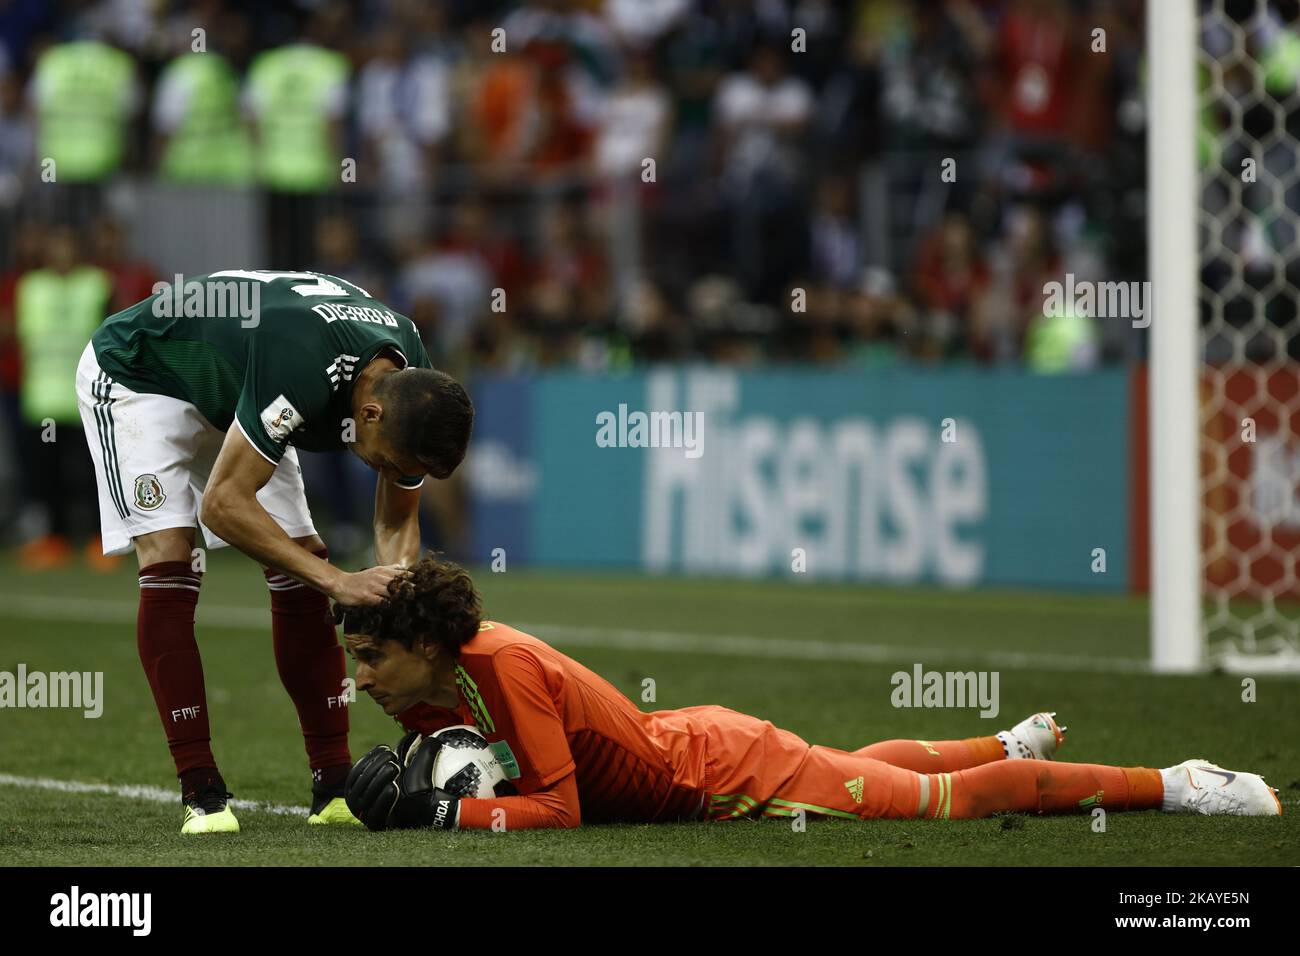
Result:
pixel 580 750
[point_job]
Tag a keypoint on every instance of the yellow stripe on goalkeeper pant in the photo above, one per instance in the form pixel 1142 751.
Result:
pixel 810 808
pixel 722 800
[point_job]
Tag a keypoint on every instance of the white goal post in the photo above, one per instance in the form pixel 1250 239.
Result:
pixel 1176 642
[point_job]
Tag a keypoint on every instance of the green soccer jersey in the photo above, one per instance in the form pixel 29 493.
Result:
pixel 277 353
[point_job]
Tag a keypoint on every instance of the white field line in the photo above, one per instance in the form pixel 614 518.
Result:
pixel 160 795
pixel 138 792
pixel 94 611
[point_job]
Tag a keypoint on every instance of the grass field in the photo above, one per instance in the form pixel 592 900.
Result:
pixel 815 659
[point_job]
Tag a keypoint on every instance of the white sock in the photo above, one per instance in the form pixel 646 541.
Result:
pixel 1173 778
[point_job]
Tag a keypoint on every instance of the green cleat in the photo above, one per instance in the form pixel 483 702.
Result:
pixel 334 810
pixel 208 812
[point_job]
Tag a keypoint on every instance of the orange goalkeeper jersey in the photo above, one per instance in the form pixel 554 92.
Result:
pixel 547 716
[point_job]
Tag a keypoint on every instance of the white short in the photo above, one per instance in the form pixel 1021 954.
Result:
pixel 153 455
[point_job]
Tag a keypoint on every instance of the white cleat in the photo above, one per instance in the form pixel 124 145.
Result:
pixel 1034 738
pixel 1198 786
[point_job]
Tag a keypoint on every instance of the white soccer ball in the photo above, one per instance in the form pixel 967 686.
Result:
pixel 464 766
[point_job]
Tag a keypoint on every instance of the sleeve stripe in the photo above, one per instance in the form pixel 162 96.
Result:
pixel 253 443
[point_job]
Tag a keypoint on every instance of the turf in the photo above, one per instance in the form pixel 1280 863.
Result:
pixel 1080 656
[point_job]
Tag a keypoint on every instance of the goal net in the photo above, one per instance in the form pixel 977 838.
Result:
pixel 1247 131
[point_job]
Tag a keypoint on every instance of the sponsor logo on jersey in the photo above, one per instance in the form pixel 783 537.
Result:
pixel 855 788
pixel 280 418
pixel 149 495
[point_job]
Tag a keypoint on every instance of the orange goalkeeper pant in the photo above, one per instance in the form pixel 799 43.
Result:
pixel 760 770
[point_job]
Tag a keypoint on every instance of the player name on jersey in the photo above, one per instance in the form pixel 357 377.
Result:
pixel 333 312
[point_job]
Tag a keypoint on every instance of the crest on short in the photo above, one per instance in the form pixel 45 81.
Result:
pixel 148 493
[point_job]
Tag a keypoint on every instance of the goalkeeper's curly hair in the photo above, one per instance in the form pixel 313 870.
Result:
pixel 437 601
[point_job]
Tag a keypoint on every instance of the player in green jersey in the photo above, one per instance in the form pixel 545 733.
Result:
pixel 194 402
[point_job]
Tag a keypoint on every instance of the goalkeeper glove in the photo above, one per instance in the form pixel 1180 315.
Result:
pixel 372 788
pixel 420 803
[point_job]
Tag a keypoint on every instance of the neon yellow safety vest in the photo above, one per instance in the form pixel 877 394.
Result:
pixel 83 104
pixel 55 316
pixel 1282 65
pixel 210 145
pixel 1053 341
pixel 290 90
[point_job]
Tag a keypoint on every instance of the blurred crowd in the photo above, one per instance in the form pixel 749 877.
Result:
pixel 646 180
pixel 604 183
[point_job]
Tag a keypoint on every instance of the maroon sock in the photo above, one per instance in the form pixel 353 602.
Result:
pixel 164 633
pixel 194 782
pixel 310 661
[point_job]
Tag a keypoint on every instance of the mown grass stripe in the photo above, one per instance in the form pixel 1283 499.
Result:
pixel 95 611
